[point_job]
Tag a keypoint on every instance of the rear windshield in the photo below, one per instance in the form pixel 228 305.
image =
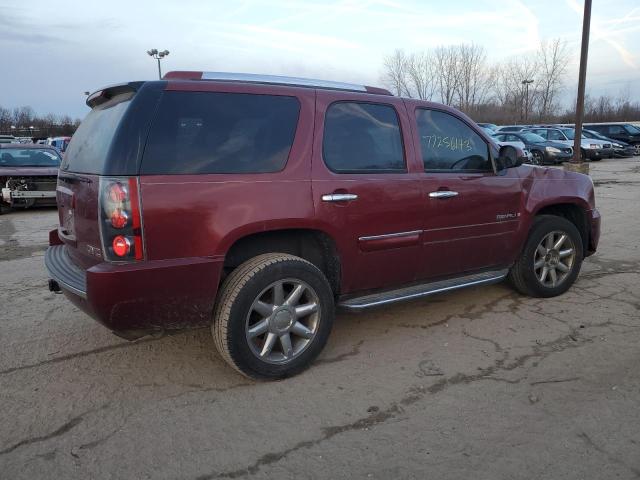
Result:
pixel 87 152
pixel 213 132
pixel 29 157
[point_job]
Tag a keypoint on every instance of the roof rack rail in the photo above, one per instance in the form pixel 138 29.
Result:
pixel 273 80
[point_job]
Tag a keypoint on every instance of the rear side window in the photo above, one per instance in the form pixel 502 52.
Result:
pixel 616 130
pixel 87 152
pixel 555 135
pixel 447 143
pixel 362 137
pixel 212 132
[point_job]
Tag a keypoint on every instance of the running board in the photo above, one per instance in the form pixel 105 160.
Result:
pixel 423 290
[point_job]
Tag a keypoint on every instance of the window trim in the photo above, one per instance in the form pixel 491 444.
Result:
pixel 385 171
pixel 493 169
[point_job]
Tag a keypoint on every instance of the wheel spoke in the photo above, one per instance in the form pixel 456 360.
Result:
pixel 304 310
pixel 278 294
pixel 565 253
pixel 294 297
pixel 543 275
pixel 287 348
pixel 560 242
pixel 549 241
pixel 539 264
pixel 264 309
pixel 300 330
pixel 541 250
pixel 269 342
pixel 258 329
pixel 554 276
pixel 562 267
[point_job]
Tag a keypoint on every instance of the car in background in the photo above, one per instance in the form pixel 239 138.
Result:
pixel 28 175
pixel 526 154
pixel 26 140
pixel 59 143
pixel 620 148
pixel 512 128
pixel 490 126
pixel 7 139
pixel 625 132
pixel 543 151
pixel 590 148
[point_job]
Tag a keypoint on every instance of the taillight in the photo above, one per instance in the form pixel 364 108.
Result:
pixel 120 222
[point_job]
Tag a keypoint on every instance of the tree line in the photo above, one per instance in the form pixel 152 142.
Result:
pixel 521 89
pixel 26 123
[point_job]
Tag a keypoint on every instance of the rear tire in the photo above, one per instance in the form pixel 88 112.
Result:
pixel 4 208
pixel 273 316
pixel 562 261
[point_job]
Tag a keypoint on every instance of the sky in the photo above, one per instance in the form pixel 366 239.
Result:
pixel 55 51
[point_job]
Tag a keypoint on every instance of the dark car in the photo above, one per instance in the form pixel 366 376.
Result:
pixel 257 204
pixel 28 175
pixel 490 126
pixel 618 131
pixel 590 148
pixel 620 148
pixel 543 151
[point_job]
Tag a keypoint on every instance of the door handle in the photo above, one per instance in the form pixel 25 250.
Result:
pixel 339 197
pixel 443 194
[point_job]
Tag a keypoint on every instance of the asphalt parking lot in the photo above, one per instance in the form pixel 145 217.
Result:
pixel 479 384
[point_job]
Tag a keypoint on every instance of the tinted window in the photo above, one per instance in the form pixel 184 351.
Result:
pixel 362 137
pixel 633 130
pixel 89 146
pixel 616 129
pixel 555 135
pixel 211 132
pixel 450 144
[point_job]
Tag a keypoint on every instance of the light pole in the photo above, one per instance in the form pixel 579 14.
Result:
pixel 526 84
pixel 158 56
pixel 586 23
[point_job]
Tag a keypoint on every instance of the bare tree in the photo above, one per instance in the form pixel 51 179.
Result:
pixel 511 91
pixel 395 74
pixel 421 72
pixel 552 60
pixel 446 70
pixel 473 76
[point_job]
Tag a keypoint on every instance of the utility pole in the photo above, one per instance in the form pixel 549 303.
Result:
pixel 158 56
pixel 577 158
pixel 526 84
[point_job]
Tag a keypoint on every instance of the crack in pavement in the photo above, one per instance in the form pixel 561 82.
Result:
pixel 414 394
pixel 338 358
pixel 70 425
pixel 85 353
pixel 590 443
pixel 561 380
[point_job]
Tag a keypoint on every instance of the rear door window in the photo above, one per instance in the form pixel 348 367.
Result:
pixel 556 135
pixel 362 137
pixel 447 143
pixel 214 132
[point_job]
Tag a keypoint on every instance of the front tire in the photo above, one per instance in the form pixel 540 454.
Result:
pixel 538 158
pixel 273 316
pixel 551 259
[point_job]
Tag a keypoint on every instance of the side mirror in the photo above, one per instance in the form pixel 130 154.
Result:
pixel 509 157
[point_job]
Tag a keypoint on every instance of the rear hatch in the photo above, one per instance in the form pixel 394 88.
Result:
pixel 109 142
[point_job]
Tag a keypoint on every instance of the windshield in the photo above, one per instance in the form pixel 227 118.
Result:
pixel 17 157
pixel 570 133
pixel 533 137
pixel 633 130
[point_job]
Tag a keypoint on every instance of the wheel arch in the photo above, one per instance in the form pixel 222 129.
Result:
pixel 313 245
pixel 574 212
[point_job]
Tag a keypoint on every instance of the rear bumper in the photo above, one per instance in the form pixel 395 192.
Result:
pixel 594 231
pixel 150 295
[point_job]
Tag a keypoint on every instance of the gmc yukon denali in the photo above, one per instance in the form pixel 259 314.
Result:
pixel 256 205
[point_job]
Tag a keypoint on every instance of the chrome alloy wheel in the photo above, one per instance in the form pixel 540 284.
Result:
pixel 554 258
pixel 282 321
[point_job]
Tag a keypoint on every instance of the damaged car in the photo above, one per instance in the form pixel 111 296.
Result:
pixel 28 175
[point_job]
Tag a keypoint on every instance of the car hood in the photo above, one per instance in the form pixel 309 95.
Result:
pixel 28 171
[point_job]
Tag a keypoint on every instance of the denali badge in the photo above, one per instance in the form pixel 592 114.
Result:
pixel 507 216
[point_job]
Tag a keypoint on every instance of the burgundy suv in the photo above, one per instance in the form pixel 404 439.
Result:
pixel 256 204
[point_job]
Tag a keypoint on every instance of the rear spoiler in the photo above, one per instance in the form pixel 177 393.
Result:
pixel 107 93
